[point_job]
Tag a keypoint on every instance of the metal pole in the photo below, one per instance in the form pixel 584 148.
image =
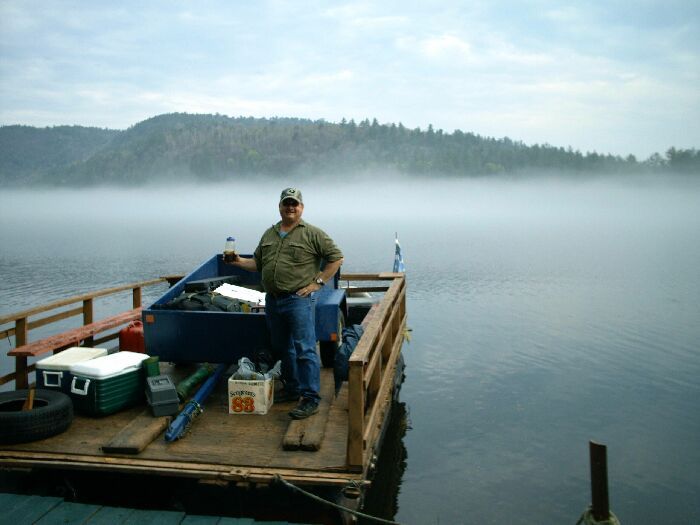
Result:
pixel 599 481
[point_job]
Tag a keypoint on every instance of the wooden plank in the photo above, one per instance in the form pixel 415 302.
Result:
pixel 238 521
pixel 200 520
pixel 44 321
pixel 307 434
pixel 56 317
pixel 358 289
pixel 137 435
pixel 75 335
pixel 384 276
pixel 136 297
pixel 316 427
pixel 376 325
pixel 11 376
pixel 77 299
pixel 19 509
pixel 154 517
pixel 110 516
pixel 356 415
pixel 68 512
pixel 375 418
pixel 88 318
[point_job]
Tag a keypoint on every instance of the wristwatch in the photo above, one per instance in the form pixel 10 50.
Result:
pixel 319 281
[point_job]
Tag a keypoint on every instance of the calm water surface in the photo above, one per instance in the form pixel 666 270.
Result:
pixel 544 313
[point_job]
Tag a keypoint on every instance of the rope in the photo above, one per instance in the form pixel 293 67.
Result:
pixel 330 503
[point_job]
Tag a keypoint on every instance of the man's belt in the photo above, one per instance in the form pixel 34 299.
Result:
pixel 282 295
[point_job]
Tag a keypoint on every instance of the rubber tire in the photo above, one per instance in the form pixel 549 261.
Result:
pixel 329 348
pixel 53 414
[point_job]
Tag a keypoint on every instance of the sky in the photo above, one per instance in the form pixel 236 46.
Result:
pixel 608 76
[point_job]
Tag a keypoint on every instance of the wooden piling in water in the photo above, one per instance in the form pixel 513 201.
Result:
pixel 600 502
pixel 599 511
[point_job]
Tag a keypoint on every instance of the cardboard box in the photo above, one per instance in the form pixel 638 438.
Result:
pixel 250 397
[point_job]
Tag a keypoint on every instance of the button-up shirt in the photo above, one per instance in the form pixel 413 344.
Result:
pixel 291 262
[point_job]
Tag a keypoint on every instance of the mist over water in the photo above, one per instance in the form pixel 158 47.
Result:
pixel 545 312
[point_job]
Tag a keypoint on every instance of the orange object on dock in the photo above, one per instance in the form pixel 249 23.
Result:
pixel 131 338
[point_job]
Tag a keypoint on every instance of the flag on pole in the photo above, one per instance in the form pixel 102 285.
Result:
pixel 398 258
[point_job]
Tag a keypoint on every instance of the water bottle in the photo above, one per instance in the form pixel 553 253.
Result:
pixel 230 250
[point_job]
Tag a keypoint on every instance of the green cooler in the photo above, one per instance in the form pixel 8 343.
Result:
pixel 108 384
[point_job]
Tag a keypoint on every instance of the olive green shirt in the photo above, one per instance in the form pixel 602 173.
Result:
pixel 292 262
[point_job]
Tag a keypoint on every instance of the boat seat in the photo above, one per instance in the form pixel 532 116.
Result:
pixel 74 336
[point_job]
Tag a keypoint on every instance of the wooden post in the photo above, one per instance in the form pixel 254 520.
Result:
pixel 356 416
pixel 21 332
pixel 137 297
pixel 87 317
pixel 600 504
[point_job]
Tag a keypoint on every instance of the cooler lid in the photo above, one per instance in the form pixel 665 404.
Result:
pixel 70 356
pixel 109 365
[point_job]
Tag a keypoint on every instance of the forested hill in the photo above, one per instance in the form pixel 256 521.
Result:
pixel 215 147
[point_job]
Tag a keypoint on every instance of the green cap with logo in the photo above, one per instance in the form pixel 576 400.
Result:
pixel 291 193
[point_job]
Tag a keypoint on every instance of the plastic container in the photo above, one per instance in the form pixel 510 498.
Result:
pixel 107 384
pixel 230 249
pixel 151 366
pixel 131 338
pixel 162 396
pixel 53 373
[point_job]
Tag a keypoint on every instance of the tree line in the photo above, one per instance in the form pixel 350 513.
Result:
pixel 216 147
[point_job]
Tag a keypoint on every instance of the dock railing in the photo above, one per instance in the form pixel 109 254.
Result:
pixel 372 367
pixel 23 325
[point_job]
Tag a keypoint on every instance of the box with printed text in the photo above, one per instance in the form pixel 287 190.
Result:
pixel 250 397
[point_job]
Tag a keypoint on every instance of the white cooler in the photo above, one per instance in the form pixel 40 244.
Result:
pixel 53 372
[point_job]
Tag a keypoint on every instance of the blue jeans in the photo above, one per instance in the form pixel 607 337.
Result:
pixel 291 322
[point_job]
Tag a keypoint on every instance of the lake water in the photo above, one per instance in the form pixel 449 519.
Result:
pixel 545 313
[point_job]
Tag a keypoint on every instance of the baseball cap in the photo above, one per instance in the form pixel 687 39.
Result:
pixel 291 193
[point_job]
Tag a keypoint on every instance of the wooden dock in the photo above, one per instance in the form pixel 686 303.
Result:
pixel 21 509
pixel 334 448
pixel 241 448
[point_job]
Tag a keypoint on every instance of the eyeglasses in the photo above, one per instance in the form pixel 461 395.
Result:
pixel 290 202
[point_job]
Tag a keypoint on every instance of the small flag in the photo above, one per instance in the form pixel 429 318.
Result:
pixel 398 258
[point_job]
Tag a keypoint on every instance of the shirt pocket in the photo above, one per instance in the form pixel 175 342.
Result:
pixel 301 254
pixel 268 251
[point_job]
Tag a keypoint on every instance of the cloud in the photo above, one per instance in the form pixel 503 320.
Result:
pixel 598 77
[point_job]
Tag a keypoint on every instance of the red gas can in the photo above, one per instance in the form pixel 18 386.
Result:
pixel 131 338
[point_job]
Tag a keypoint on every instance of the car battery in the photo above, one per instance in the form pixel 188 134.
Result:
pixel 53 372
pixel 161 395
pixel 108 384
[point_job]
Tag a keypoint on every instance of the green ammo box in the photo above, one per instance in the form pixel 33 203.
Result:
pixel 108 384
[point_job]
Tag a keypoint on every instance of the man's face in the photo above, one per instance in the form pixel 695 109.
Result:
pixel 291 210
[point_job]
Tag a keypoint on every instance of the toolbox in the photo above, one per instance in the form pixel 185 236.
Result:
pixel 53 372
pixel 162 396
pixel 107 384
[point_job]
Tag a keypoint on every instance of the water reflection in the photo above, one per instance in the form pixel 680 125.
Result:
pixel 545 313
pixel 382 498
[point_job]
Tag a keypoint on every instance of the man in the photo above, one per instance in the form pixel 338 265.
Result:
pixel 289 258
